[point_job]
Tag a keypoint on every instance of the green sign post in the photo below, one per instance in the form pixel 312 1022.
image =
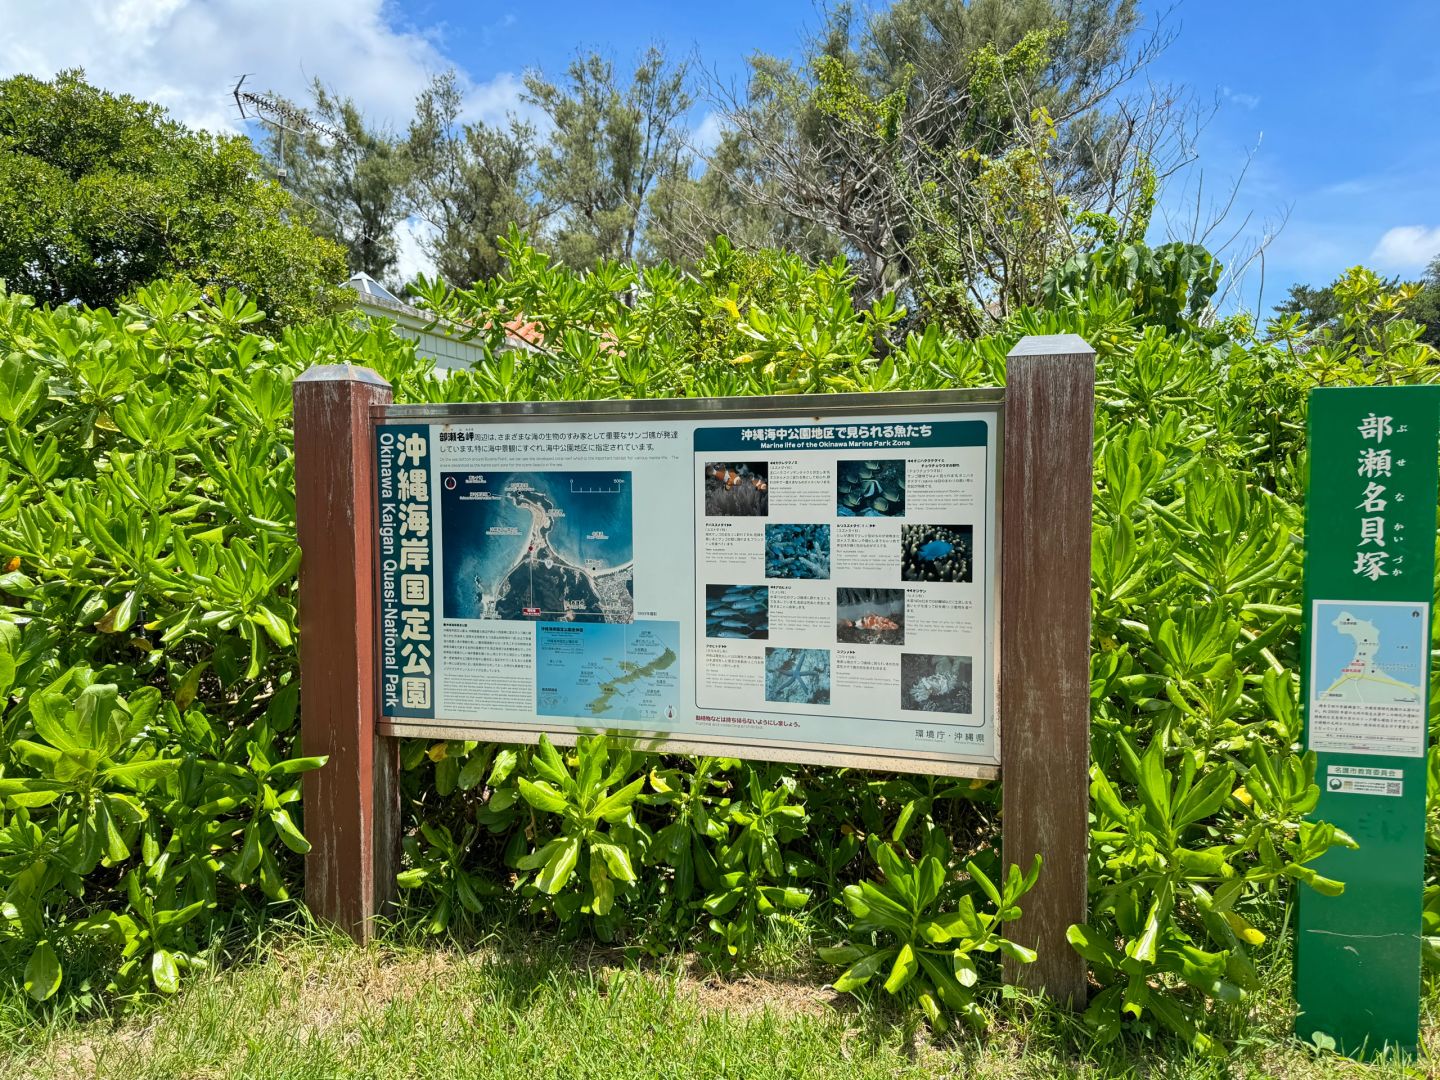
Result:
pixel 1369 582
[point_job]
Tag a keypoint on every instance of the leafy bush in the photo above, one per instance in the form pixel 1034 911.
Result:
pixel 146 524
pixel 150 800
pixel 102 194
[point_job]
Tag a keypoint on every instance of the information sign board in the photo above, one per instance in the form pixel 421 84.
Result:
pixel 705 575
pixel 1369 583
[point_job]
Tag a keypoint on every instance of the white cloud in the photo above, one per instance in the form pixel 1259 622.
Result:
pixel 187 54
pixel 1407 247
pixel 410 255
pixel 1244 100
pixel 706 137
pixel 494 102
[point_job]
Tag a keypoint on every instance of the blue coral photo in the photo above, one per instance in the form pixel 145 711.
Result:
pixel 937 552
pixel 797 551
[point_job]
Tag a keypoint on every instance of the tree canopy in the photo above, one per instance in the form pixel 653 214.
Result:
pixel 954 153
pixel 101 193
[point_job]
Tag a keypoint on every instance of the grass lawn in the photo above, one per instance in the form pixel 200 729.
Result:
pixel 528 1006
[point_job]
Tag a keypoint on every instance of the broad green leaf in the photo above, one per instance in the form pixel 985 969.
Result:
pixel 1093 946
pixel 1205 797
pixel 57 723
pixel 42 972
pixel 841 954
pixel 133 772
pixel 274 625
pixel 7 670
pixel 616 858
pixel 903 970
pixel 1019 953
pixel 505 762
pixel 164 972
pixel 616 806
pixel 862 971
pixel 557 871
pixel 22 390
pixel 289 835
pixel 542 796
pixel 291 766
pixel 122 616
pixel 602 886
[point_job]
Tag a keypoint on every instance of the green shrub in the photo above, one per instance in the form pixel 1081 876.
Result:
pixel 148 800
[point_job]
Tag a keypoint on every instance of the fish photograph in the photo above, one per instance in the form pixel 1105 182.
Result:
pixel 798 676
pixel 797 551
pixel 870 616
pixel 937 552
pixel 737 611
pixel 870 488
pixel 737 488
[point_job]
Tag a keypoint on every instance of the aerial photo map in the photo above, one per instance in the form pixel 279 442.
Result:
pixel 538 546
pixel 1370 654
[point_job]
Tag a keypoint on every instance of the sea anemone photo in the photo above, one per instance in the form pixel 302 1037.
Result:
pixel 935 683
pixel 737 488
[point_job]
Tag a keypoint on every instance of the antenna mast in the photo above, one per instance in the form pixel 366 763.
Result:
pixel 282 116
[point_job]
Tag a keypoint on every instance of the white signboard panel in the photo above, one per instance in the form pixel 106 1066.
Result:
pixel 722 577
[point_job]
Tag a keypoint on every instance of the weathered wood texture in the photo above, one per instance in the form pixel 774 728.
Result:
pixel 352 804
pixel 1048 469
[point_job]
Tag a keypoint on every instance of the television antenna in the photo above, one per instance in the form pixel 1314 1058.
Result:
pixel 282 116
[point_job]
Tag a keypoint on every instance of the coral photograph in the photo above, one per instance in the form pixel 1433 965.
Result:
pixel 937 552
pixel 797 551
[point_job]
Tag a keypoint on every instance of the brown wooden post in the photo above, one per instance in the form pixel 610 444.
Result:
pixel 352 804
pixel 1048 470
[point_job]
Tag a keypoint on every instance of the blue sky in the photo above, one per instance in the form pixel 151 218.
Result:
pixel 1335 102
pixel 1339 104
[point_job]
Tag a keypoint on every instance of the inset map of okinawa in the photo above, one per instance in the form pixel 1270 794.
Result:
pixel 538 546
pixel 591 672
pixel 1368 677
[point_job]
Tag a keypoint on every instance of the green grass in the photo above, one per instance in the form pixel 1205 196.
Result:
pixel 520 1005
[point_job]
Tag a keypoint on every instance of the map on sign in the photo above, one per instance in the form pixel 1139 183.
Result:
pixel 1369 653
pixel 538 546
pixel 1367 689
pixel 608 671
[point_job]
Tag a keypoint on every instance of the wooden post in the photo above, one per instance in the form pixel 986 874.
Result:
pixel 1048 470
pixel 352 804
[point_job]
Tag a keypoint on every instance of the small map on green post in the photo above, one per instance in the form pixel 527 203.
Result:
pixel 1367 677
pixel 608 671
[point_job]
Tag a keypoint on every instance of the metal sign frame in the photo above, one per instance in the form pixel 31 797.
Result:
pixel 986 402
